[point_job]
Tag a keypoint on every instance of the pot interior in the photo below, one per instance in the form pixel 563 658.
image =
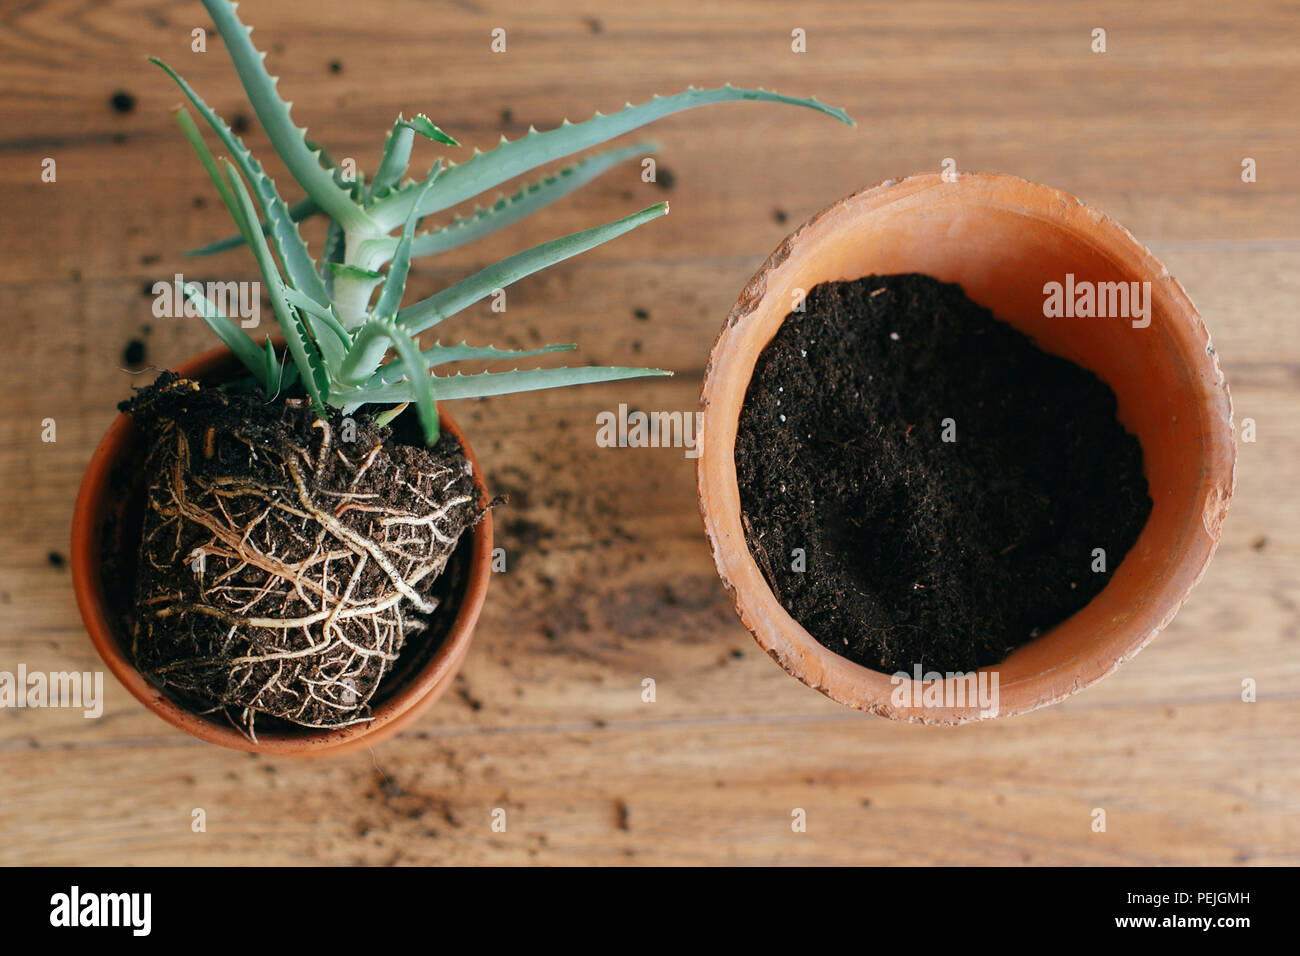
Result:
pixel 1003 240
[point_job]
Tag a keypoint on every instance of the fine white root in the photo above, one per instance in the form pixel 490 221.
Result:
pixel 303 570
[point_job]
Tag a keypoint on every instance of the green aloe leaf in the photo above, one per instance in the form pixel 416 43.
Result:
pixel 390 297
pixel 440 354
pixel 397 153
pixel 281 375
pixel 326 329
pixel 348 271
pixel 508 210
pixel 394 159
pixel 325 313
pixel 426 128
pixel 225 328
pixel 280 226
pixel 284 236
pixel 488 170
pixel 301 347
pixel 354 186
pixel 450 387
pixel 421 383
pixel 288 140
pixel 301 210
pixel 429 312
pixel 369 347
pixel 233 337
pixel 272 364
pixel 333 253
pixel 195 138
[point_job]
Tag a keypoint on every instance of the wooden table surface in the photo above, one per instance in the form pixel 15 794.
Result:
pixel 609 580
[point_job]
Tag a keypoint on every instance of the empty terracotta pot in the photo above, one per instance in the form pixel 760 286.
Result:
pixel 105 530
pixel 1002 239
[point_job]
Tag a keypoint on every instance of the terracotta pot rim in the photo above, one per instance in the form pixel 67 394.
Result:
pixel 399 708
pixel 868 689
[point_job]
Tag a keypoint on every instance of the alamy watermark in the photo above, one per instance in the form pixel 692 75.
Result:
pixel 133 911
pixel 1100 300
pixel 181 299
pixel 952 689
pixel 637 429
pixel 75 689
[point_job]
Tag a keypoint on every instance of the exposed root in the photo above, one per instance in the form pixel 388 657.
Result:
pixel 282 569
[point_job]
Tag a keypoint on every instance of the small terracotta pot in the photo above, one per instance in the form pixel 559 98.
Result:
pixel 1002 239
pixel 101 525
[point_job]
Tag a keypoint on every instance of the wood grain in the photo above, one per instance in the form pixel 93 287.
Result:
pixel 609 579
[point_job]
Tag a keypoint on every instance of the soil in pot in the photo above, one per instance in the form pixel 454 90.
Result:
pixel 920 484
pixel 286 559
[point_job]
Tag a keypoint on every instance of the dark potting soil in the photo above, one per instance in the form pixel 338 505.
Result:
pixel 916 549
pixel 285 560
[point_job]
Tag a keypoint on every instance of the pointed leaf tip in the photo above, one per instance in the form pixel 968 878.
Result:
pixel 483 171
pixel 425 127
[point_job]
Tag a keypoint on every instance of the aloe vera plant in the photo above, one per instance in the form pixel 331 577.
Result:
pixel 287 555
pixel 351 340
